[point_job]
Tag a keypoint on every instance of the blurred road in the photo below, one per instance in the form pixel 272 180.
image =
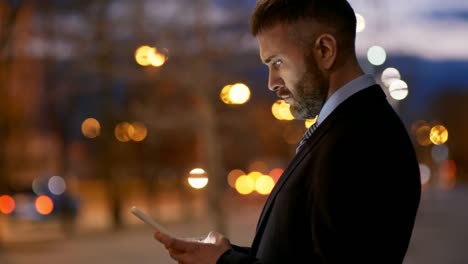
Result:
pixel 440 236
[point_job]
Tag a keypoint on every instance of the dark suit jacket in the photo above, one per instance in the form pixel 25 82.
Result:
pixel 349 196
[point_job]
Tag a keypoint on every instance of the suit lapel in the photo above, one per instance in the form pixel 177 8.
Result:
pixel 308 146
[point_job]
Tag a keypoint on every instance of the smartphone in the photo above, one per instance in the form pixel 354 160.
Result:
pixel 145 218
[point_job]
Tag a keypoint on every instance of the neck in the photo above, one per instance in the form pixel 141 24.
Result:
pixel 343 74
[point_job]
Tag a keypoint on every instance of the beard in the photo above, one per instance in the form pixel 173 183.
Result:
pixel 311 92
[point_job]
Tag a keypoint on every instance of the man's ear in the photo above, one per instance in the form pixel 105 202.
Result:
pixel 326 50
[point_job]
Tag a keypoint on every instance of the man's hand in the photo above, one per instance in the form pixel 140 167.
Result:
pixel 188 251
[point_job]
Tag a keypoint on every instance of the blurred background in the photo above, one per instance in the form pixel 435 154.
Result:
pixel 163 104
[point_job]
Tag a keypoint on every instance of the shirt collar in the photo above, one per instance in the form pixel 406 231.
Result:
pixel 360 83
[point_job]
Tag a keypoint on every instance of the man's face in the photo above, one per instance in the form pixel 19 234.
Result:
pixel 293 73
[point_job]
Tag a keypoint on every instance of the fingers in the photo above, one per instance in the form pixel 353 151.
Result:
pixel 174 243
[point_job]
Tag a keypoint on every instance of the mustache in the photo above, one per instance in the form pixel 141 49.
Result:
pixel 283 93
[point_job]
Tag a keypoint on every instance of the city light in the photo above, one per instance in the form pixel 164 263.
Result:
pixel 422 135
pixel 139 132
pixel 281 110
pixel 264 184
pixel 425 173
pixel 245 185
pixel 123 131
pixel 7 204
pixel 398 90
pixel 44 205
pixel 276 174
pixel 360 23
pixel 56 185
pixel 390 75
pixel 376 55
pixel 146 55
pixel 232 177
pixel 91 128
pixel 309 122
pixel 438 135
pixel 237 93
pixel 197 178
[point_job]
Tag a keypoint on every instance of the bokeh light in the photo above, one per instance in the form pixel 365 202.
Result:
pixel 439 153
pixel 146 55
pixel 264 184
pixel 7 204
pixel 390 75
pixel 197 178
pixel 281 110
pixel 425 173
pixel 376 55
pixel 438 135
pixel 233 175
pixel 360 23
pixel 138 133
pixel 90 128
pixel 276 174
pixel 239 93
pixel 309 122
pixel 422 135
pixel 56 185
pixel 123 131
pixel 44 205
pixel 245 185
pixel 398 90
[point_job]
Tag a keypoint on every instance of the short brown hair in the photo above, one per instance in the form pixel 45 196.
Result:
pixel 337 14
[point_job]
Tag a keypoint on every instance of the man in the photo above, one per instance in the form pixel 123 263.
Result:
pixel 351 193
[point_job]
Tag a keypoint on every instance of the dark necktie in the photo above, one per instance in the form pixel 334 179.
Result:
pixel 306 136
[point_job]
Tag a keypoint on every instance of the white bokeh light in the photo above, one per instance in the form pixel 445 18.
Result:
pixel 398 90
pixel 360 23
pixel 390 75
pixel 56 185
pixel 425 172
pixel 376 55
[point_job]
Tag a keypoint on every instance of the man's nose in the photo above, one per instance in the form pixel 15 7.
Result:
pixel 275 82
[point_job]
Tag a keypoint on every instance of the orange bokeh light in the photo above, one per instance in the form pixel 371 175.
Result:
pixel 7 204
pixel 44 205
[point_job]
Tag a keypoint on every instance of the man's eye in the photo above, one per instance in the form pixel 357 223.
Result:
pixel 277 63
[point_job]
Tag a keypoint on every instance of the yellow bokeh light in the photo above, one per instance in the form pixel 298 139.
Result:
pixel 239 93
pixel 245 185
pixel 281 110
pixel 224 95
pixel 123 131
pixel 137 132
pixel 255 175
pixel 142 55
pixel 146 55
pixel 309 122
pixel 232 177
pixel 156 59
pixel 264 184
pixel 422 135
pixel 438 135
pixel 90 128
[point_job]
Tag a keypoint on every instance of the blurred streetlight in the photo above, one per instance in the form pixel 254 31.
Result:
pixel 90 128
pixel 281 110
pixel 398 90
pixel 237 93
pixel 7 204
pixel 360 23
pixel 390 75
pixel 198 178
pixel 438 135
pixel 146 55
pixel 376 55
